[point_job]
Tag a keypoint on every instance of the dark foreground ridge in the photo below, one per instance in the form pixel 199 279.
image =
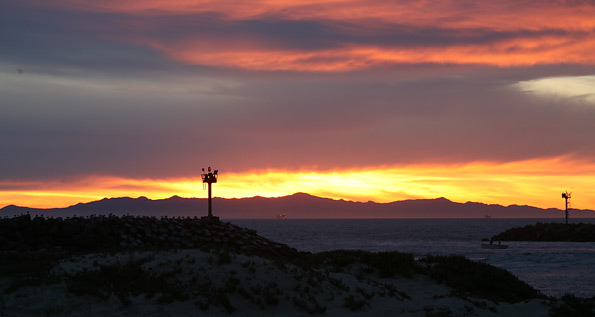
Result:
pixel 136 265
pixel 580 232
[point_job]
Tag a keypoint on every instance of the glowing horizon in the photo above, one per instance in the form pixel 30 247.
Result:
pixel 519 183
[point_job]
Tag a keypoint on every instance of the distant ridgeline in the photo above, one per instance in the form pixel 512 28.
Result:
pixel 295 206
pixel 580 232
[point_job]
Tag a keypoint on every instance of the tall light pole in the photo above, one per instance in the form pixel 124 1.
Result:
pixel 210 178
pixel 566 195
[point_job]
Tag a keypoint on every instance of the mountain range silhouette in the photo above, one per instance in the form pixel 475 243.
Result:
pixel 296 206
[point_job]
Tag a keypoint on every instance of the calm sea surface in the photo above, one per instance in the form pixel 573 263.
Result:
pixel 555 268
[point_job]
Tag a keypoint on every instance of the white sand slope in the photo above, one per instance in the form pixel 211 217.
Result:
pixel 193 282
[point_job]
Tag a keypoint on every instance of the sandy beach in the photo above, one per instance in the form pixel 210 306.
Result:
pixel 220 283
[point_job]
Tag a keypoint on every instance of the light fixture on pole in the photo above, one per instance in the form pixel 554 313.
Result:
pixel 210 178
pixel 566 195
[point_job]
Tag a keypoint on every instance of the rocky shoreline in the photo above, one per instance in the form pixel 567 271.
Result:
pixel 580 232
pixel 110 233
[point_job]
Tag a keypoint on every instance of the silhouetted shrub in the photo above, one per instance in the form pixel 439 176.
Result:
pixel 203 305
pixel 388 264
pixel 224 257
pixel 353 303
pixel 393 292
pixel 439 312
pixel 28 269
pixel 312 308
pixel 26 263
pixel 574 306
pixel 123 280
pixel 479 279
pixel 271 298
pixel 338 283
pixel 35 280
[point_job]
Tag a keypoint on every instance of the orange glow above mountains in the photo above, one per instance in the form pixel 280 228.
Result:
pixel 503 33
pixel 537 183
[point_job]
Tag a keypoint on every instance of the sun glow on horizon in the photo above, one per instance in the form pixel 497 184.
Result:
pixel 536 183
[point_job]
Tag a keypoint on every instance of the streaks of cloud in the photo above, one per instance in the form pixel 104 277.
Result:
pixel 451 13
pixel 350 58
pixel 352 35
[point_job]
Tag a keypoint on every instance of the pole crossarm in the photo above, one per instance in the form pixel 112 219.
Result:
pixel 210 178
pixel 566 195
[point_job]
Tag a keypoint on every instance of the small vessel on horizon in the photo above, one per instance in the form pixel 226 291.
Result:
pixel 489 244
pixel 281 216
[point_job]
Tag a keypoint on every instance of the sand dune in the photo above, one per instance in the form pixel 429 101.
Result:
pixel 221 283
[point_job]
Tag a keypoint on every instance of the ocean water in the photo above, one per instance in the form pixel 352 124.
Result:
pixel 555 268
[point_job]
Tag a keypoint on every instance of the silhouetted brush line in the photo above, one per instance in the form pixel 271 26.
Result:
pixel 479 279
pixel 387 264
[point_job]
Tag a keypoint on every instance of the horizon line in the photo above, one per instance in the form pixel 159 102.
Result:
pixel 288 195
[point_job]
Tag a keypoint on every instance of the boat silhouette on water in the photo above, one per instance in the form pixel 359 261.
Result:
pixel 489 244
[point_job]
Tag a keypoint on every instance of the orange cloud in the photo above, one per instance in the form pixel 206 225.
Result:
pixel 536 182
pixel 501 15
pixel 516 52
pixel 536 33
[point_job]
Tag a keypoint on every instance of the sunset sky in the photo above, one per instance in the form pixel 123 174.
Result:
pixel 486 101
